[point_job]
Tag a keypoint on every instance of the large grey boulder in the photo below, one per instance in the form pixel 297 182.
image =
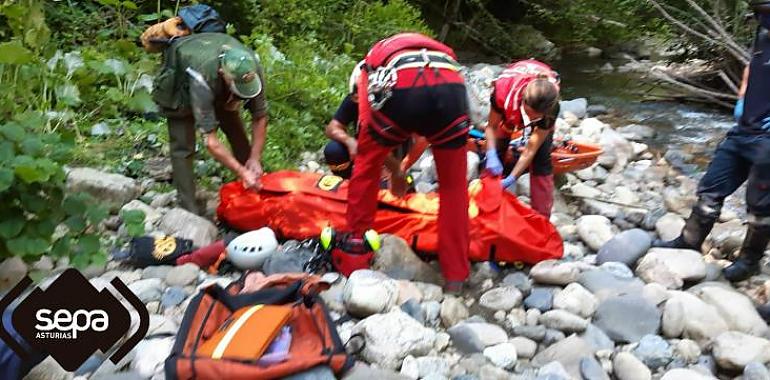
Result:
pixel 112 190
pixel 627 318
pixel 687 315
pixel 397 260
pixel 569 352
pixel 735 308
pixel 392 337
pixel 626 247
pixel 368 292
pixel 671 267
pixel 183 224
pixel 734 350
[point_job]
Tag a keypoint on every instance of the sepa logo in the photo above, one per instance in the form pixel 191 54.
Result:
pixel 71 319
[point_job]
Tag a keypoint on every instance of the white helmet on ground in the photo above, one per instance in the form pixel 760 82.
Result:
pixel 250 250
pixel 354 77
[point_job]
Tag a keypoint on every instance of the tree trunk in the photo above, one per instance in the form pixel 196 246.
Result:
pixel 449 19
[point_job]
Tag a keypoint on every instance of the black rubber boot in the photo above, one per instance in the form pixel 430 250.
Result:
pixel 752 250
pixel 693 234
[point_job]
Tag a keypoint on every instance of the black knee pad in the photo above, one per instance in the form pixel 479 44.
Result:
pixel 338 158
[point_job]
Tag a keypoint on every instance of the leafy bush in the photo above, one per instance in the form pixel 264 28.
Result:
pixel 37 214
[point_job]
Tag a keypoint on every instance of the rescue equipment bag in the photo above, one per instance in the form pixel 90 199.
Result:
pixel 225 332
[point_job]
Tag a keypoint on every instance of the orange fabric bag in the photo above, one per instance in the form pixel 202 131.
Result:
pixel 298 205
pixel 314 338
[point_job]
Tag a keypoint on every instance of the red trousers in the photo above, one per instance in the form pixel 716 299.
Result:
pixel 541 193
pixel 453 221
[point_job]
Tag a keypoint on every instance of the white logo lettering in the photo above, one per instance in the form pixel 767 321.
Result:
pixel 71 323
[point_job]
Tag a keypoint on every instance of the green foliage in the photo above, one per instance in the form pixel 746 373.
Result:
pixel 349 27
pixel 134 222
pixel 38 217
pixel 306 84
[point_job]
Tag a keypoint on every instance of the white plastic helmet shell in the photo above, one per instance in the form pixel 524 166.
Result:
pixel 354 76
pixel 251 250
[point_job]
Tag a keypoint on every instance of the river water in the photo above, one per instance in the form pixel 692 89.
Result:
pixel 688 133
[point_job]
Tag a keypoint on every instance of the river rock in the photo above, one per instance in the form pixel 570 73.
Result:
pixel 735 308
pixel 671 267
pixel 669 226
pixel 617 150
pixel 626 247
pixel 636 132
pixel 368 292
pixel 597 338
pixel 519 280
pixel 362 371
pixel 156 271
pixel 407 290
pixel 605 285
pixel 471 337
pixel 577 300
pixel 502 355
pixel 430 292
pixel 150 356
pixel 393 336
pixel 755 371
pixel 655 293
pixel 726 237
pixel 594 230
pixel 654 351
pixel 48 369
pixel 569 352
pixel 577 107
pixel 397 260
pixel 452 311
pixel 147 290
pixel 581 190
pixel 414 309
pixel 432 312
pixel 563 321
pixel 12 270
pixel 617 269
pixel 684 374
pixel 503 298
pixel 687 315
pixel 422 367
pixel 734 350
pixel 589 130
pixel 112 190
pixel 627 367
pixel 186 225
pixel 553 371
pixel 173 296
pixel 182 275
pixel 525 347
pixel 688 350
pixel 540 299
pixel 536 333
pixel 627 318
pixel 554 272
pixel 591 369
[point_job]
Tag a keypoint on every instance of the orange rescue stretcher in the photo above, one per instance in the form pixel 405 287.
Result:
pixel 299 205
pixel 566 156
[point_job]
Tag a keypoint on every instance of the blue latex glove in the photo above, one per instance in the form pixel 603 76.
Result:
pixel 738 112
pixel 494 165
pixel 509 182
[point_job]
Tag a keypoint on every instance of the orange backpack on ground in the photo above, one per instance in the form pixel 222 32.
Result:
pixel 314 338
pixel 299 205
